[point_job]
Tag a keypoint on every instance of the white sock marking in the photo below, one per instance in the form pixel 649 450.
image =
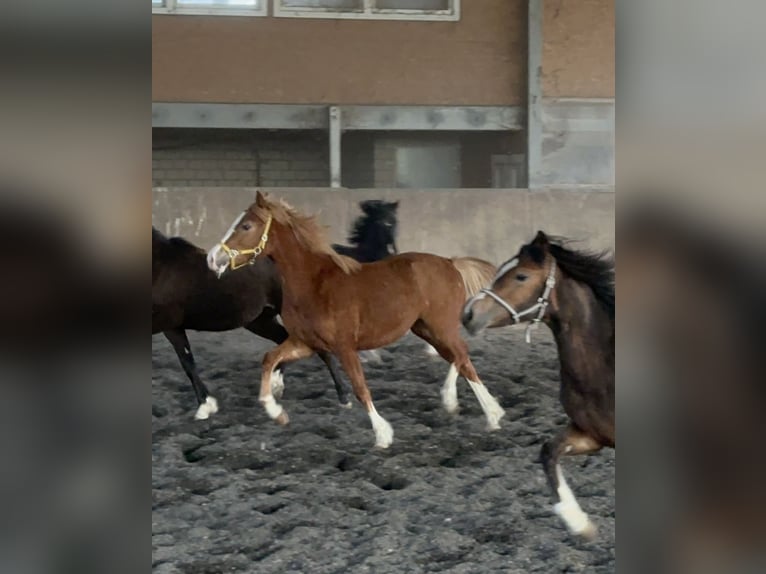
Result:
pixel 493 411
pixel 430 350
pixel 449 390
pixel 277 383
pixel 384 433
pixel 209 407
pixel 372 355
pixel 273 408
pixel 568 509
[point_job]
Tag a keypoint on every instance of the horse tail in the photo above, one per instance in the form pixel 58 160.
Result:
pixel 476 273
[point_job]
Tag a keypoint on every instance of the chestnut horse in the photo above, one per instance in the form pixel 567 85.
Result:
pixel 335 304
pixel 572 293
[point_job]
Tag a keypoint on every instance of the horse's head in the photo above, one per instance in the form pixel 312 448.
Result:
pixel 246 239
pixel 520 291
pixel 381 221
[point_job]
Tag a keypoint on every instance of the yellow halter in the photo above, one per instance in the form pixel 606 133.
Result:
pixel 234 253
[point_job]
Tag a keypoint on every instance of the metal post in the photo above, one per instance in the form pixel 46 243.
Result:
pixel 335 134
pixel 534 93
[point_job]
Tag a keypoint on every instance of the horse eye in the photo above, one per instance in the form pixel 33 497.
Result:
pixel 521 277
pixel 246 226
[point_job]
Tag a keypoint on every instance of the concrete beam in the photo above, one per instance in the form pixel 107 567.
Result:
pixel 534 93
pixel 458 118
pixel 301 117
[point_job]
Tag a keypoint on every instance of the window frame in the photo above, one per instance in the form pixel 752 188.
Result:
pixel 368 12
pixel 172 8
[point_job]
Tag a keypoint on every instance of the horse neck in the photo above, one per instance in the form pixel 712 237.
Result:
pixel 579 324
pixel 298 265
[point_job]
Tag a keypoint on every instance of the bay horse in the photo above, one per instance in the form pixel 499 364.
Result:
pixel 187 295
pixel 573 293
pixel 335 304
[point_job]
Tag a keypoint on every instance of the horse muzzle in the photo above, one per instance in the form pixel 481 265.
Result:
pixel 217 260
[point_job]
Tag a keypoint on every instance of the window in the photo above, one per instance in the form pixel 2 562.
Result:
pixel 211 7
pixel 370 9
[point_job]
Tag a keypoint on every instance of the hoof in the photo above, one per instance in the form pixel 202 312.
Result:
pixel 282 419
pixel 577 522
pixel 589 533
pixel 452 409
pixel 209 407
pixel 346 405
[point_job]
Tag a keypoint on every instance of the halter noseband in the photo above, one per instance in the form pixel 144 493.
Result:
pixel 540 306
pixel 255 252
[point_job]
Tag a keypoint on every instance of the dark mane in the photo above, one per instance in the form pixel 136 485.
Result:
pixel 594 269
pixel 361 226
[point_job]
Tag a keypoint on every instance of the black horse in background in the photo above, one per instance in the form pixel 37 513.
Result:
pixel 374 235
pixel 373 238
pixel 187 295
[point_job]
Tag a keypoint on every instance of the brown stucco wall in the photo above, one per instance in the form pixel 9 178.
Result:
pixel 480 60
pixel 578 48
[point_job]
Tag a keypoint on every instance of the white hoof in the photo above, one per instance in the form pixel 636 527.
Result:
pixel 347 405
pixel 277 384
pixel 493 418
pixel 209 407
pixel 576 520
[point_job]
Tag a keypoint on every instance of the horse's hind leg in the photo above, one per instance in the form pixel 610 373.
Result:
pixel 384 434
pixel 449 388
pixel 569 442
pixel 451 345
pixel 206 404
pixel 341 386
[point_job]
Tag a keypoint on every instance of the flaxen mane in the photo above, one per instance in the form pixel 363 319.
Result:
pixel 308 231
pixel 476 273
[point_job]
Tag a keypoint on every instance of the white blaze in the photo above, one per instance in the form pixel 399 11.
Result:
pixel 212 255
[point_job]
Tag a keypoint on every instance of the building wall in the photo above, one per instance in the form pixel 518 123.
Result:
pixel 479 60
pixel 487 223
pixel 578 48
pixel 239 158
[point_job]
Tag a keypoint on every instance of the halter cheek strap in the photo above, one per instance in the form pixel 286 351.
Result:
pixel 540 306
pixel 255 252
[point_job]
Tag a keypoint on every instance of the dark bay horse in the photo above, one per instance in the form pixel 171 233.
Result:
pixel 187 295
pixel 573 293
pixel 374 235
pixel 334 304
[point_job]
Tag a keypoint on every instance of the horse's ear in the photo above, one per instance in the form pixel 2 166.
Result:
pixel 395 205
pixel 366 206
pixel 540 239
pixel 260 199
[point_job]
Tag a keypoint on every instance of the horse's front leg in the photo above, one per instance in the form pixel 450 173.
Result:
pixel 570 442
pixel 290 350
